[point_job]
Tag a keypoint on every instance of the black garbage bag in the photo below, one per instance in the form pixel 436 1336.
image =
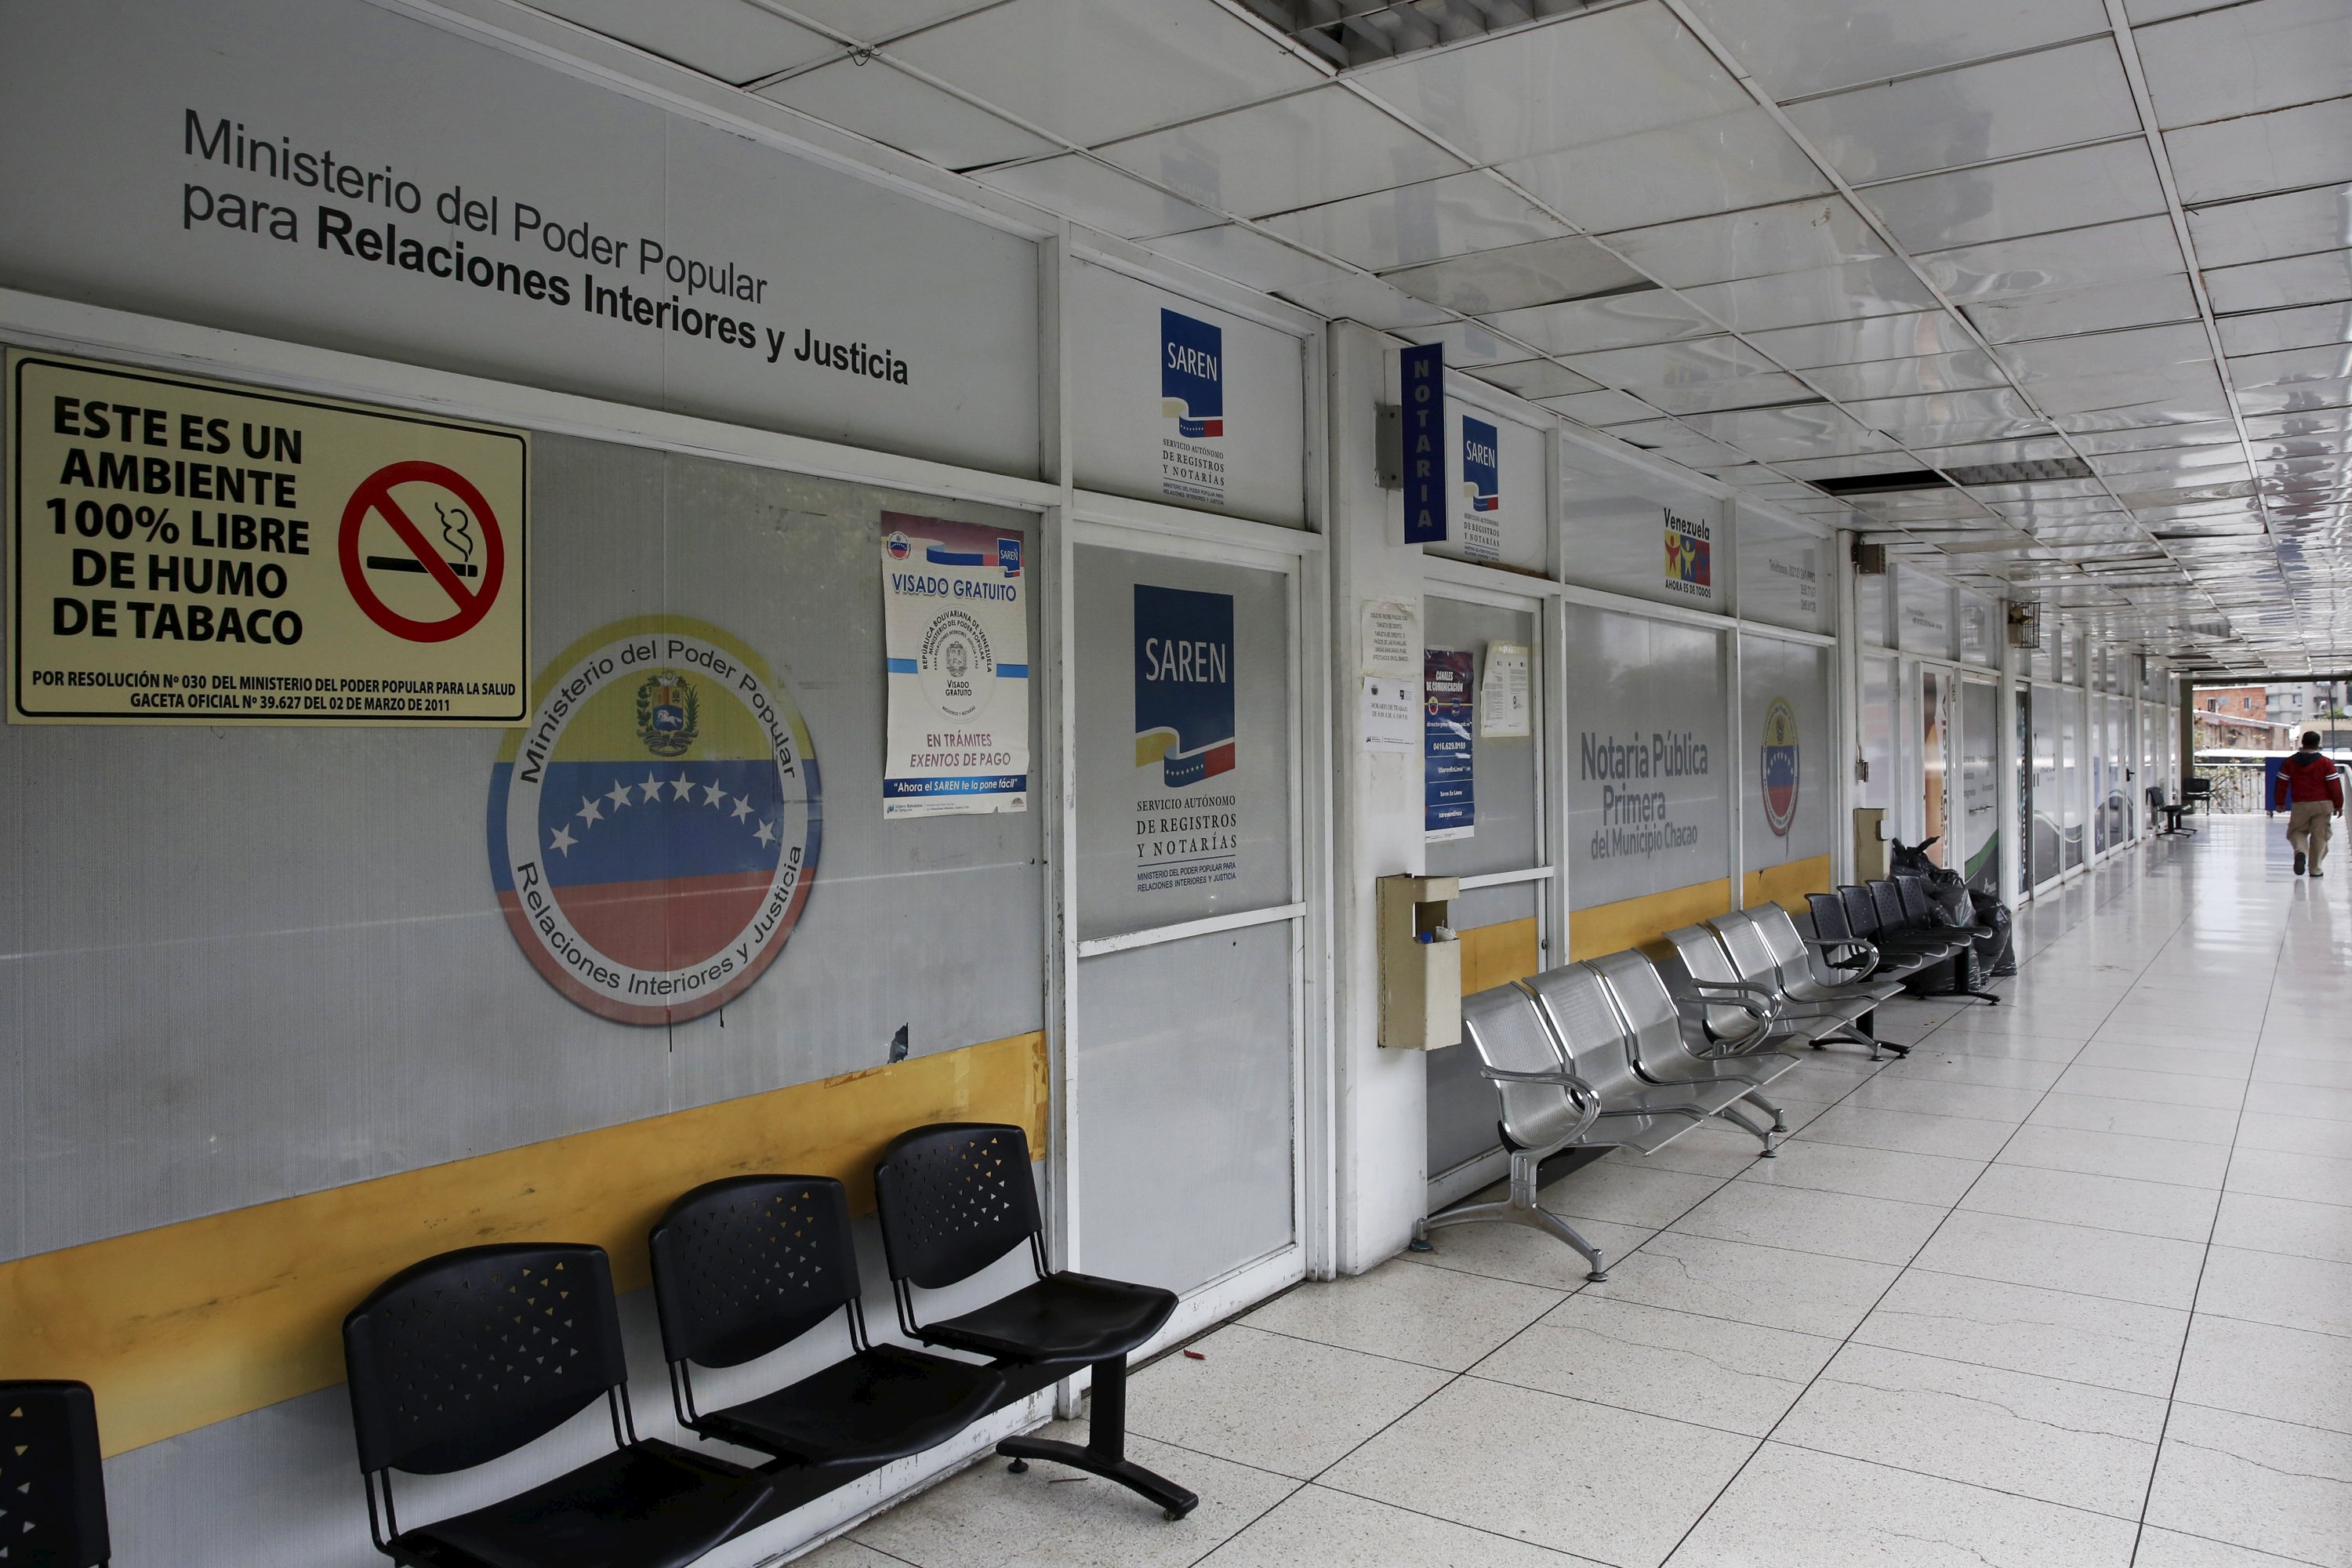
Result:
pixel 1996 935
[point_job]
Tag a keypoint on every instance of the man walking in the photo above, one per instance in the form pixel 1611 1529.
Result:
pixel 2313 794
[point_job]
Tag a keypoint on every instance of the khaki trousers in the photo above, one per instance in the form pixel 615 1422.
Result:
pixel 2308 825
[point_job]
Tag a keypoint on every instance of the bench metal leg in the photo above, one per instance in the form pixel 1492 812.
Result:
pixel 1747 1123
pixel 1105 1453
pixel 1755 1097
pixel 1521 1208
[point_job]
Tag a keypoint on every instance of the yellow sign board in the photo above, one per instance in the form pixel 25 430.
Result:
pixel 190 551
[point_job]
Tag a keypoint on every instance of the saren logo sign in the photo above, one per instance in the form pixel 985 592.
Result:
pixel 1192 399
pixel 1480 483
pixel 1183 683
pixel 1780 769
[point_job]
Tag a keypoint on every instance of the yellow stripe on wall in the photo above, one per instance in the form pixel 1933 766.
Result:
pixel 1636 923
pixel 187 1324
pixel 1498 955
pixel 1787 885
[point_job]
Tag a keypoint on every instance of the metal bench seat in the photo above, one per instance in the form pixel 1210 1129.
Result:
pixel 1547 1107
pixel 1708 970
pixel 1755 956
pixel 1848 925
pixel 1807 968
pixel 1661 1046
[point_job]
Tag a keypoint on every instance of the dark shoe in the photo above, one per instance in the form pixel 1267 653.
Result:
pixel 2298 862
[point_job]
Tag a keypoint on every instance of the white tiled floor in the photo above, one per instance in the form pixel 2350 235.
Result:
pixel 2071 1285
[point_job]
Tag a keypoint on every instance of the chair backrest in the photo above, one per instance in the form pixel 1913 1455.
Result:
pixel 467 1356
pixel 1777 931
pixel 52 1491
pixel 1917 908
pixel 1576 1007
pixel 2196 787
pixel 1647 1008
pixel 1750 955
pixel 1700 953
pixel 954 1197
pixel 1502 1025
pixel 1887 900
pixel 1861 910
pixel 1829 916
pixel 746 1265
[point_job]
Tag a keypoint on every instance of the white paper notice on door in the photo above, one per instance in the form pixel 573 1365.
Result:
pixel 956 649
pixel 1391 714
pixel 1505 707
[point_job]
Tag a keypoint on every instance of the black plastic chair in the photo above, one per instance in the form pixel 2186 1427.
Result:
pixel 463 1358
pixel 745 1266
pixel 955 1197
pixel 1919 911
pixel 52 1490
pixel 1899 958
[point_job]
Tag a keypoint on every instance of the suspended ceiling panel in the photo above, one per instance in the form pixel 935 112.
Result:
pixel 1777 240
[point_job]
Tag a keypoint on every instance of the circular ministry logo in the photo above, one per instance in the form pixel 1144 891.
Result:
pixel 957 667
pixel 653 827
pixel 1780 767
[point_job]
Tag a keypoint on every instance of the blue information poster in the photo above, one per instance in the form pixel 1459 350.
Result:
pixel 1452 803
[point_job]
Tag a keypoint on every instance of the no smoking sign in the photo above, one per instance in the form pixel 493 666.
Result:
pixel 186 551
pixel 461 552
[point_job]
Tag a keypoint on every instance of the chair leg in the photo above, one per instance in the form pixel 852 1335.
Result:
pixel 1523 1207
pixel 1755 1097
pixel 1105 1453
pixel 1750 1125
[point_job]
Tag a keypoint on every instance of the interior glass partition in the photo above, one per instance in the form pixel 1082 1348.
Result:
pixel 1501 858
pixel 2047 842
pixel 2070 776
pixel 1936 770
pixel 1185 1000
pixel 1980 840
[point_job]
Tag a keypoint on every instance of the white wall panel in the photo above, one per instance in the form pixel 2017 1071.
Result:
pixel 268 961
pixel 1614 519
pixel 1502 524
pixel 1788 574
pixel 1648 764
pixel 1773 672
pixel 837 260
pixel 1128 444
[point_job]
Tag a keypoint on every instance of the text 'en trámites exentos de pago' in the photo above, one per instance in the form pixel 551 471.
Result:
pixel 658 288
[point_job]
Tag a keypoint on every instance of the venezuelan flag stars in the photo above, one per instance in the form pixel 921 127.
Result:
pixel 682 791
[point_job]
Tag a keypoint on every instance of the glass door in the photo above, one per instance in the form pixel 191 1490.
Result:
pixel 1979 850
pixel 2070 776
pixel 1936 769
pixel 2049 819
pixel 1483 818
pixel 1183 1076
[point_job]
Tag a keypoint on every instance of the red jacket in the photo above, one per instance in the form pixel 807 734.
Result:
pixel 2305 779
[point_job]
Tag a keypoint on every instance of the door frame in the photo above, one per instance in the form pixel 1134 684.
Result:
pixel 1150 529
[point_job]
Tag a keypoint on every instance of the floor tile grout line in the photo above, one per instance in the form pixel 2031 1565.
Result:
pixel 1441 1518
pixel 2204 1261
pixel 1900 1274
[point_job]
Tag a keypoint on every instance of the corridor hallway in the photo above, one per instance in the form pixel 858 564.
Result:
pixel 2069 1288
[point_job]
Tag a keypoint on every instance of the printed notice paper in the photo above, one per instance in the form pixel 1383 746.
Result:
pixel 1392 715
pixel 1503 703
pixel 1452 802
pixel 955 637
